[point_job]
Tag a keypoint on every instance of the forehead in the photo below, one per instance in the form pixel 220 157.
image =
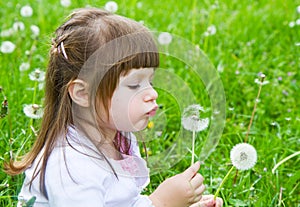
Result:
pixel 138 73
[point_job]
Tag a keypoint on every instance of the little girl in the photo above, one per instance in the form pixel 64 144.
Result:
pixel 99 91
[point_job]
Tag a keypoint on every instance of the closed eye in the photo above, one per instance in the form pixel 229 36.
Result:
pixel 133 86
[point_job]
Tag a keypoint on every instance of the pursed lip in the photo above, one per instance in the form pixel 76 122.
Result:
pixel 152 112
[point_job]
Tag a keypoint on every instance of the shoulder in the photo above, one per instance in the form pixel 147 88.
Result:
pixel 73 175
pixel 79 163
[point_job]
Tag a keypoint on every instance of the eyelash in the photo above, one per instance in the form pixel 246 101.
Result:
pixel 133 86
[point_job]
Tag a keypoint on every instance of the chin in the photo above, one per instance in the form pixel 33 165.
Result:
pixel 140 126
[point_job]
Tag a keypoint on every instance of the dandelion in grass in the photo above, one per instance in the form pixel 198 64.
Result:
pixel 298 9
pixel 24 66
pixel 65 3
pixel 264 82
pixel 292 24
pixel 211 30
pixel 139 5
pixel 7 47
pixel 35 30
pixel 7 33
pixel 243 156
pixel 18 26
pixel 150 125
pixel 164 38
pixel 191 121
pixel 111 6
pixel 297 22
pixel 33 111
pixel 26 11
pixel 37 75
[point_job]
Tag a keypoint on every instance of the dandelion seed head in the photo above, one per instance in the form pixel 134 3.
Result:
pixel 243 156
pixel 212 29
pixel 265 82
pixel 288 118
pixel 37 75
pixel 7 33
pixel 292 24
pixel 65 3
pixel 139 4
pixel 18 26
pixel 298 9
pixel 33 111
pixel 158 133
pixel 191 118
pixel 111 6
pixel 35 30
pixel 24 66
pixel 7 47
pixel 26 11
pixel 262 75
pixel 164 38
pixel 297 22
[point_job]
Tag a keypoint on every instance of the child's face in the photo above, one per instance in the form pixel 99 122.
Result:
pixel 133 101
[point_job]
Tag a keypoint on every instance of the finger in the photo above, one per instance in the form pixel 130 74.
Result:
pixel 207 203
pixel 199 191
pixel 207 197
pixel 198 194
pixel 197 181
pixel 219 202
pixel 208 200
pixel 190 172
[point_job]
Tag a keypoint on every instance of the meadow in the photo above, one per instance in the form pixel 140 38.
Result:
pixel 241 39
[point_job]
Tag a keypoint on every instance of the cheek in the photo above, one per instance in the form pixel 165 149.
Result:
pixel 120 112
pixel 131 109
pixel 125 114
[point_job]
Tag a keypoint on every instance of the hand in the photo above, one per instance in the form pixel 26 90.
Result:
pixel 181 190
pixel 208 201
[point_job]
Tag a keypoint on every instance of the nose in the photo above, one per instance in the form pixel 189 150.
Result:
pixel 150 94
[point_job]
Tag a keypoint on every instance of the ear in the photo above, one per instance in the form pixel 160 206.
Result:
pixel 78 90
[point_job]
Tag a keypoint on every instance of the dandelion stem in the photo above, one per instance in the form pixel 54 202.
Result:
pixel 193 147
pixel 223 181
pixel 280 197
pixel 254 108
pixel 194 21
pixel 284 160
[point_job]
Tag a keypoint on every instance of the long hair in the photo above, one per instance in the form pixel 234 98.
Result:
pixel 75 41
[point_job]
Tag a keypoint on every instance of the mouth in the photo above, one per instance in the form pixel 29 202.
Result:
pixel 152 112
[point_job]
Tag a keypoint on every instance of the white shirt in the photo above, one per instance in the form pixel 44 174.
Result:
pixel 74 179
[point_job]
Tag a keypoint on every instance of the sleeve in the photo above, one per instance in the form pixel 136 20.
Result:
pixel 143 201
pixel 74 181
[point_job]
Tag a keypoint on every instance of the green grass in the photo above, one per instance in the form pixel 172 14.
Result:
pixel 251 37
